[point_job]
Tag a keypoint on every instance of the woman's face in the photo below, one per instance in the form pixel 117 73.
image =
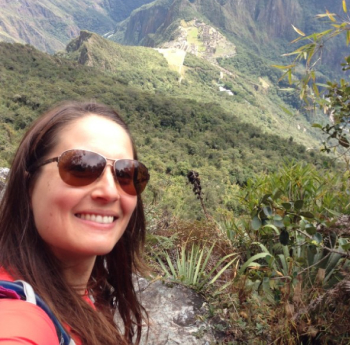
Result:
pixel 67 217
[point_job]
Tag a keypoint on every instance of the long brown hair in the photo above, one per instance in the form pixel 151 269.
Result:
pixel 26 256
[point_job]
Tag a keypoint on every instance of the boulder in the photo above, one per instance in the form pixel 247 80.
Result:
pixel 3 175
pixel 176 314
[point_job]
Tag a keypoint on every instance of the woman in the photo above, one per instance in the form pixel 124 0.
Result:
pixel 72 226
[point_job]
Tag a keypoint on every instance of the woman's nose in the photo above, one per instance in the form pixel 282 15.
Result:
pixel 106 187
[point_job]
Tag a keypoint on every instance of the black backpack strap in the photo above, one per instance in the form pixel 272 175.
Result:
pixel 26 292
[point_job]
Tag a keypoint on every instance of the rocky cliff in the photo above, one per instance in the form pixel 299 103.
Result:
pixel 262 26
pixel 50 24
pixel 262 20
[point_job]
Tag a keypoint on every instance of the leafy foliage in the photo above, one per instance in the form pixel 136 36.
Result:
pixel 294 258
pixel 332 97
pixel 191 268
pixel 291 250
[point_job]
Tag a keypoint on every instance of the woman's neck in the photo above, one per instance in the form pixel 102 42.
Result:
pixel 77 274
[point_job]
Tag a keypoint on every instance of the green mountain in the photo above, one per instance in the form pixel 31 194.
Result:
pixel 174 133
pixel 260 21
pixel 254 21
pixel 50 24
pixel 262 24
pixel 253 97
pixel 262 27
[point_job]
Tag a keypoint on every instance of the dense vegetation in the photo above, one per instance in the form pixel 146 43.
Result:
pixel 256 96
pixel 174 134
pixel 279 272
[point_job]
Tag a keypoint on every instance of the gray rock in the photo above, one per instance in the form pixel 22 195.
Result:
pixel 175 315
pixel 3 175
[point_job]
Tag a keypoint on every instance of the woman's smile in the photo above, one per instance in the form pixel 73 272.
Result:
pixel 97 218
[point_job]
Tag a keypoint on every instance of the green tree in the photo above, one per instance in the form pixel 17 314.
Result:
pixel 333 98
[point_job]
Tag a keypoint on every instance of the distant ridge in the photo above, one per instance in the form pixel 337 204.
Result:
pixel 92 50
pixel 174 74
pixel 259 21
pixel 50 24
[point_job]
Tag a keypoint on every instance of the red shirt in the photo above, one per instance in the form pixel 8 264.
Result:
pixel 25 323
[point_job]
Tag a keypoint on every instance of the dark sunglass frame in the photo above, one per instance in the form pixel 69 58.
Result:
pixel 132 175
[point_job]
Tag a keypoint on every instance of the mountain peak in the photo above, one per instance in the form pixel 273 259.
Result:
pixel 76 43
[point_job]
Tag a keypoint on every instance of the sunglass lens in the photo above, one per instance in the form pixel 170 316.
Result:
pixel 132 176
pixel 80 168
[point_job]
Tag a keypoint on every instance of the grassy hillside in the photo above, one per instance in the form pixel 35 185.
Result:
pixel 50 24
pixel 174 134
pixel 255 98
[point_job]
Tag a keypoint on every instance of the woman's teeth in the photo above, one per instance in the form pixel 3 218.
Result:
pixel 96 218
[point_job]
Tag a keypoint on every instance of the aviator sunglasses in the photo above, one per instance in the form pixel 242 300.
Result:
pixel 80 168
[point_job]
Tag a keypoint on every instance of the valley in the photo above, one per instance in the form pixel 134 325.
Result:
pixel 207 30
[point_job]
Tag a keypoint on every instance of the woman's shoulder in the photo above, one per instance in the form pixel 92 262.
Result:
pixel 22 322
pixel 25 323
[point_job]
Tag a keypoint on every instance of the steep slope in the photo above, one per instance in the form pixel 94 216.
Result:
pixel 260 26
pixel 92 50
pixel 50 24
pixel 257 20
pixel 173 134
pixel 121 9
pixel 251 98
pixel 140 67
